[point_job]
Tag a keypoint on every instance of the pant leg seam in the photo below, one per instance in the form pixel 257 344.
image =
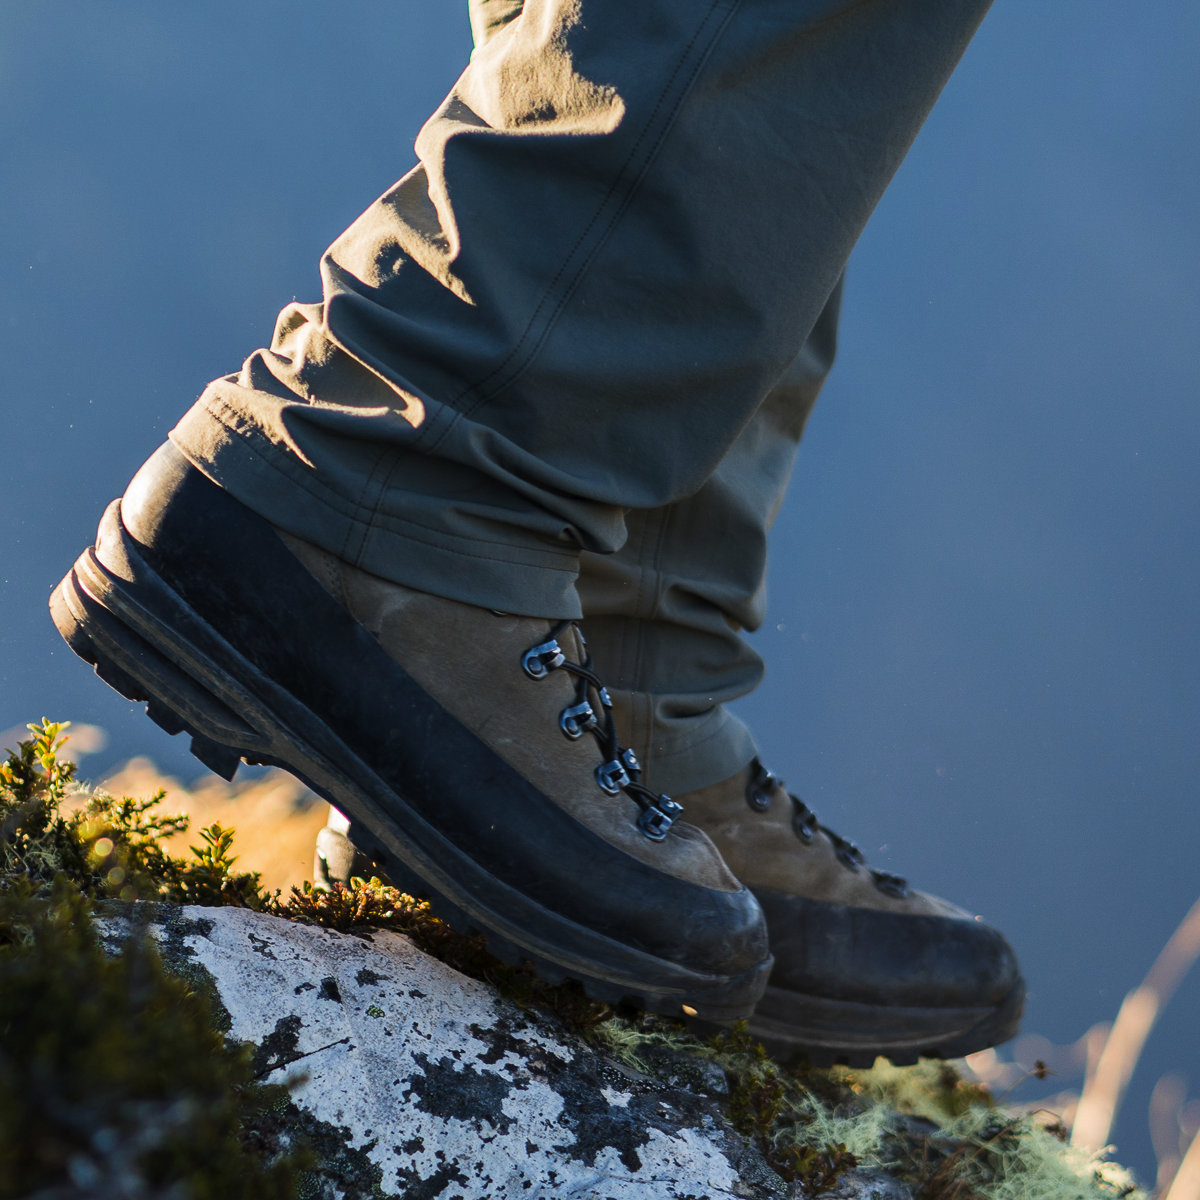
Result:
pixel 630 189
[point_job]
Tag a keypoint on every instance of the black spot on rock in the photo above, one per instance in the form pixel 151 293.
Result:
pixel 261 945
pixel 329 990
pixel 367 977
pixel 304 987
pixel 593 1124
pixel 279 1047
pixel 496 1050
pixel 416 1188
pixel 463 1094
pixel 339 1170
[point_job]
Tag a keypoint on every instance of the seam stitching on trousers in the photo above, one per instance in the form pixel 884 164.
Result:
pixel 631 189
pixel 361 527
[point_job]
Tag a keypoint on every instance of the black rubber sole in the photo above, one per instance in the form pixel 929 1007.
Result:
pixel 827 1032
pixel 789 1024
pixel 145 642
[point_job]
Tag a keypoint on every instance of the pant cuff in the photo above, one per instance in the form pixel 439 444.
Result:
pixel 526 580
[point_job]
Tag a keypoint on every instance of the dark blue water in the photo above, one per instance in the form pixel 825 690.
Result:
pixel 984 636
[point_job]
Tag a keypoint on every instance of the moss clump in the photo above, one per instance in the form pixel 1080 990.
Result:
pixel 1001 1156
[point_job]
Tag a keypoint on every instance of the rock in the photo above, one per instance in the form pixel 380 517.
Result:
pixel 415 1081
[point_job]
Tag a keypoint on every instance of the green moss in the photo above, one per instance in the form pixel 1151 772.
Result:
pixel 114 1078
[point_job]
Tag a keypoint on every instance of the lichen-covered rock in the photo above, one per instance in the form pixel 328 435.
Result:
pixel 416 1081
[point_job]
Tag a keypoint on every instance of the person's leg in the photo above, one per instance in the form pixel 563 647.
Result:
pixel 623 227
pixel 625 224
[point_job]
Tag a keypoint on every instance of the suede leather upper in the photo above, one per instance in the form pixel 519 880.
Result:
pixel 514 715
pixel 236 574
pixel 763 851
pixel 834 932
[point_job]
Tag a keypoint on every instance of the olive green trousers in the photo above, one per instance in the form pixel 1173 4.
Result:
pixel 561 368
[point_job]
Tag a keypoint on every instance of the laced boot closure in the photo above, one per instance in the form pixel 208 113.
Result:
pixel 591 713
pixel 864 964
pixel 760 792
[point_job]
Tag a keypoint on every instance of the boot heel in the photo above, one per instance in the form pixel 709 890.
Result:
pixel 132 666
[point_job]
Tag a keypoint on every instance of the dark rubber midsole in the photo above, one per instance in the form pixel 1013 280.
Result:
pixel 135 627
pixel 789 1022
pixel 828 1031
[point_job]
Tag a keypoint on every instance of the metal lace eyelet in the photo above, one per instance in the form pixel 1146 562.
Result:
pixel 605 698
pixel 760 791
pixel 655 823
pixel 891 885
pixel 539 661
pixel 612 776
pixel 577 720
pixel 630 760
pixel 758 799
pixel 804 823
pixel 672 808
pixel 849 855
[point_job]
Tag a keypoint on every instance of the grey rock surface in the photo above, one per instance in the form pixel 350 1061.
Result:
pixel 415 1081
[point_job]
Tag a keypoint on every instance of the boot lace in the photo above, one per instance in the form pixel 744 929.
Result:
pixel 591 712
pixel 759 794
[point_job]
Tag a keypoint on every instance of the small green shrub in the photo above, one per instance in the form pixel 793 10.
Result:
pixel 109 847
pixel 113 1077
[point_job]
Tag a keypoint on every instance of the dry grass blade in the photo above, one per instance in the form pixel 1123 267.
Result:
pixel 1186 1184
pixel 1102 1094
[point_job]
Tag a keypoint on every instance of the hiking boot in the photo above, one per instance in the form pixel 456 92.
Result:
pixel 864 964
pixel 473 751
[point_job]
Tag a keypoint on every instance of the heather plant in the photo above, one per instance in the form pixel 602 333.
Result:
pixel 114 1079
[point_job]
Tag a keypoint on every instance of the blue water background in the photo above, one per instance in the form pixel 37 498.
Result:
pixel 983 636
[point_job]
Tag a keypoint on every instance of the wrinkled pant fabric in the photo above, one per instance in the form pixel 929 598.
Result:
pixel 561 368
